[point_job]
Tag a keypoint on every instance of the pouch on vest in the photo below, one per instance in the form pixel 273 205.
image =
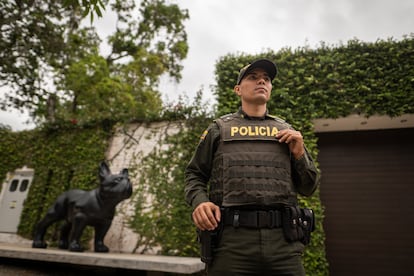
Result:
pixel 298 223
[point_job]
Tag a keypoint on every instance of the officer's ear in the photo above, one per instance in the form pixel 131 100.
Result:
pixel 236 90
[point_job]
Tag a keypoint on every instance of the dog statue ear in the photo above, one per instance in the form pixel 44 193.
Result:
pixel 124 172
pixel 104 170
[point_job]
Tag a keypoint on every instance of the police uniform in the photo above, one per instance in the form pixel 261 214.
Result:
pixel 251 176
pixel 250 172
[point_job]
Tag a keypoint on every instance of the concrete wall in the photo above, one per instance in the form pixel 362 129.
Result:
pixel 128 147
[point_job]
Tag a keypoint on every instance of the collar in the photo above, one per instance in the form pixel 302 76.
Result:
pixel 245 116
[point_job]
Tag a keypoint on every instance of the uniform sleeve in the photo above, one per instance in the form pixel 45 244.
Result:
pixel 198 170
pixel 305 175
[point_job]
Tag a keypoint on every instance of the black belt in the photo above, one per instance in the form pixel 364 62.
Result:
pixel 252 219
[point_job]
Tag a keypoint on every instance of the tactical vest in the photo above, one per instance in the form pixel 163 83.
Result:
pixel 250 166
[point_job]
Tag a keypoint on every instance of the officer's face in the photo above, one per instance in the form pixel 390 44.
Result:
pixel 255 88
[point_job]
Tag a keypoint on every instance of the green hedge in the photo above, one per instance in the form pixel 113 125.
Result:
pixel 332 81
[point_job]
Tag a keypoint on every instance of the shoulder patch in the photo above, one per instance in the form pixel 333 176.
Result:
pixel 203 135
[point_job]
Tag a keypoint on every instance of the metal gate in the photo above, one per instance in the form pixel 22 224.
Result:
pixel 12 197
pixel 367 188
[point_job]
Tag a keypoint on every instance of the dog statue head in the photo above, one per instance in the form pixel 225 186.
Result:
pixel 114 187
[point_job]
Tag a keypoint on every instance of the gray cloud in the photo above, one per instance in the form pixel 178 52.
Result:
pixel 220 27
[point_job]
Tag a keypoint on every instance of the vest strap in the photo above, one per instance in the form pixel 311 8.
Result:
pixel 264 163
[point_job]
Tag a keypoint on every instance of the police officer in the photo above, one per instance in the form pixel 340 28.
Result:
pixel 246 168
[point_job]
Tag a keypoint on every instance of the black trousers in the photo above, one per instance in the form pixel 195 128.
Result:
pixel 246 251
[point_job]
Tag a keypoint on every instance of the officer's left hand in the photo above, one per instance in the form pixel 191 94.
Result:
pixel 294 139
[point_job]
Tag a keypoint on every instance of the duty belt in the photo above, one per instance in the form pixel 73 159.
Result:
pixel 252 219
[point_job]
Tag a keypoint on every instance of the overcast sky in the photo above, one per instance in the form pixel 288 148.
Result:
pixel 220 27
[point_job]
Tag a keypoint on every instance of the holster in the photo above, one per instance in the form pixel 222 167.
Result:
pixel 208 241
pixel 298 224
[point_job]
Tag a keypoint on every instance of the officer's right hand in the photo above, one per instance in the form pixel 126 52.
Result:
pixel 206 216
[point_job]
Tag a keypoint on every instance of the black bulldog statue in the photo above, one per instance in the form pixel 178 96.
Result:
pixel 81 208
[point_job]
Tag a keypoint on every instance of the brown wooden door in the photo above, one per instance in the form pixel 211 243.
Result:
pixel 367 189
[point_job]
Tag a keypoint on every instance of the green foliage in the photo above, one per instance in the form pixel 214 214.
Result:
pixel 14 149
pixel 52 66
pixel 90 7
pixel 31 37
pixel 329 82
pixel 97 95
pixel 63 159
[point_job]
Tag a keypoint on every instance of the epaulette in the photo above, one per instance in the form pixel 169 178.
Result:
pixel 278 119
pixel 227 117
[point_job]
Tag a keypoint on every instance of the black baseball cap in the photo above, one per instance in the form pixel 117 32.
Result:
pixel 264 64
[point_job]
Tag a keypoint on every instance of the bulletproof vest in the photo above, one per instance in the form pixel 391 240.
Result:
pixel 250 167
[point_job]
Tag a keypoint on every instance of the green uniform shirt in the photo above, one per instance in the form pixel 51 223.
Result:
pixel 198 171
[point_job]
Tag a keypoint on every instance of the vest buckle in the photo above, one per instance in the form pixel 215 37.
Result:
pixel 236 219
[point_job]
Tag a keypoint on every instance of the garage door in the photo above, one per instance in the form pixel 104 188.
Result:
pixel 368 193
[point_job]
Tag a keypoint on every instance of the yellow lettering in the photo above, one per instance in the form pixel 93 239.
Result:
pixel 243 131
pixel 262 131
pixel 251 132
pixel 234 130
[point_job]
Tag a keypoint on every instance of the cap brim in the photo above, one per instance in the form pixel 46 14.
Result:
pixel 264 64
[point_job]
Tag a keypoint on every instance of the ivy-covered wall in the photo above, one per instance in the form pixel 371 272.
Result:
pixel 332 81
pixel 63 158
